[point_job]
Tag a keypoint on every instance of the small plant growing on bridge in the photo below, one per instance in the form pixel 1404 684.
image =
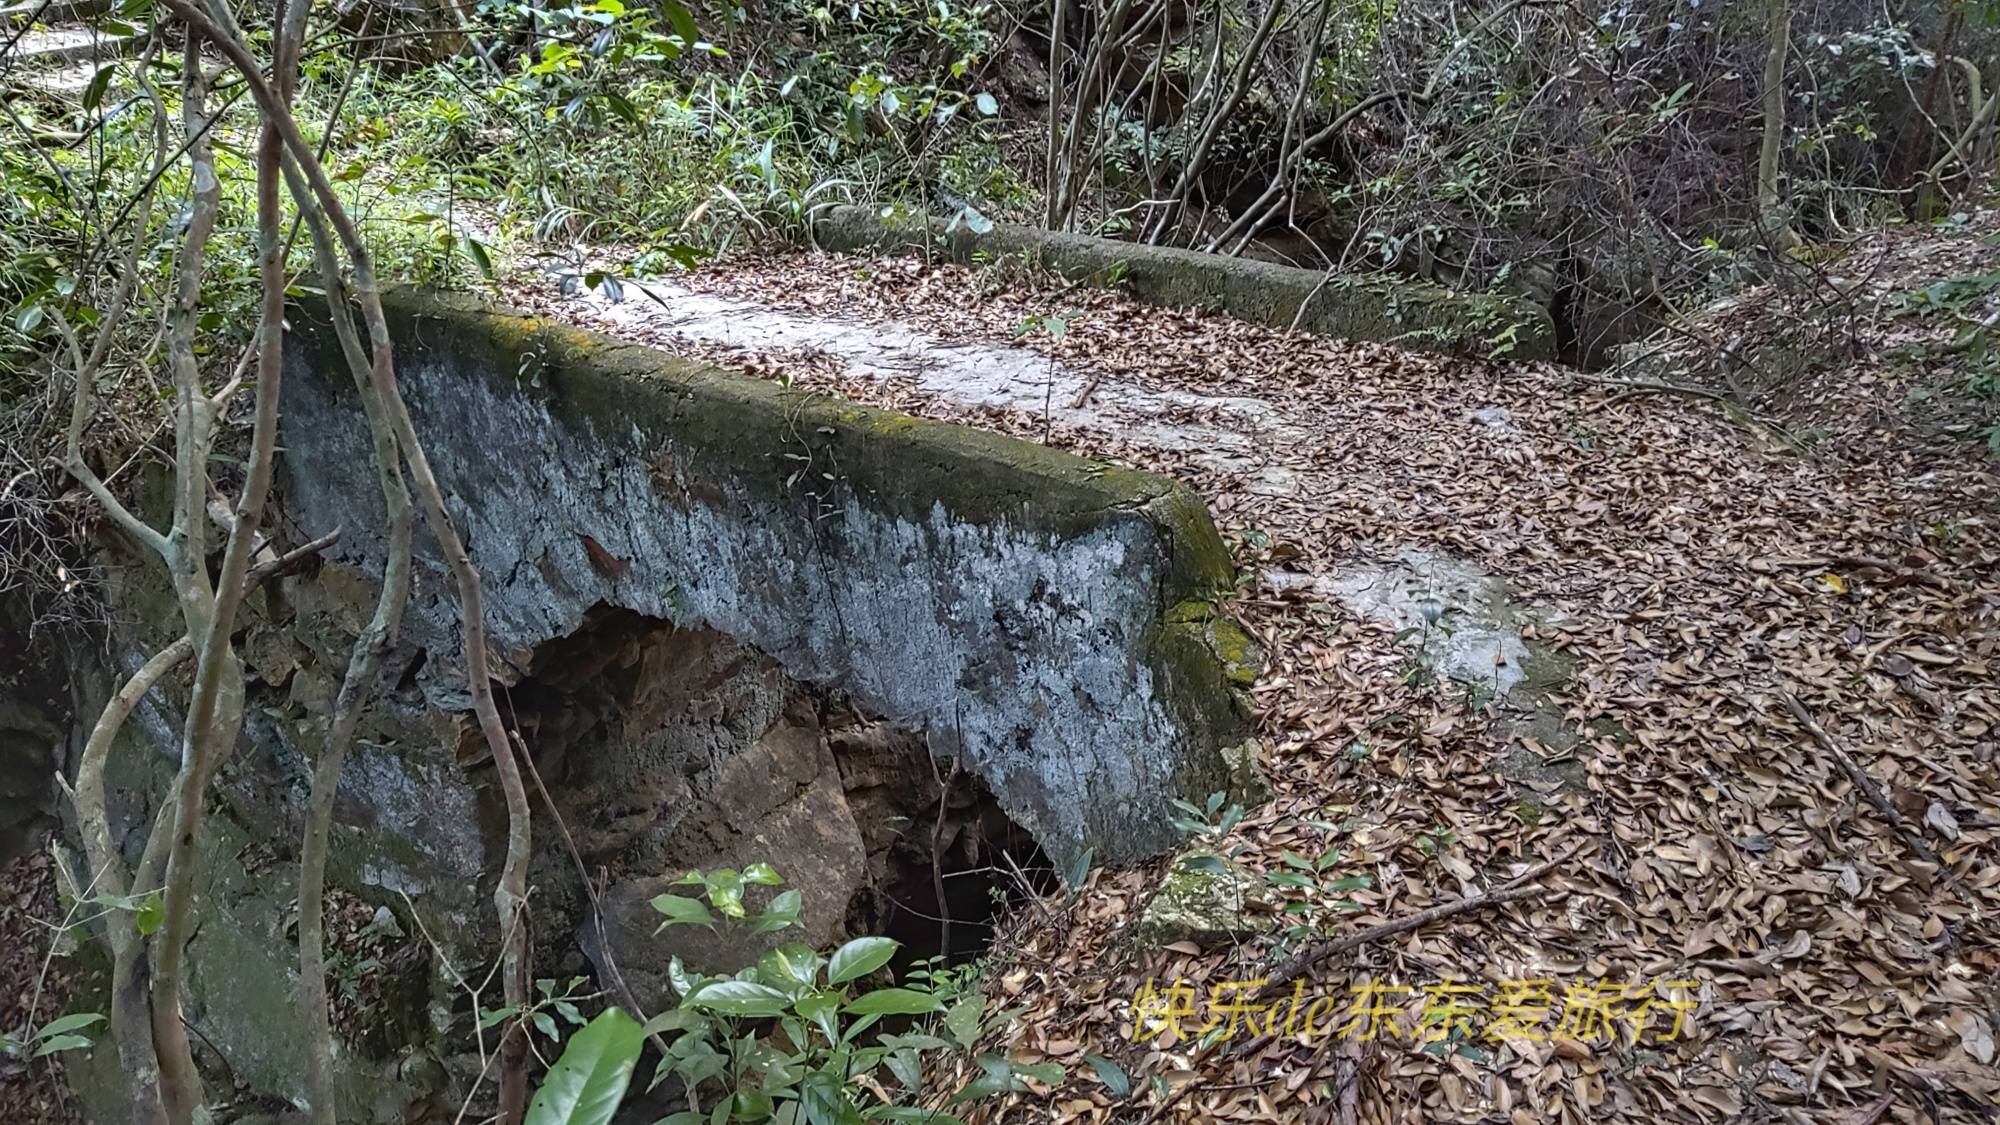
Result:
pixel 64 1033
pixel 1055 326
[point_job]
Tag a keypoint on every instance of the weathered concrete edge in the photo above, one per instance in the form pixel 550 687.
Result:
pixel 1409 314
pixel 979 472
pixel 904 465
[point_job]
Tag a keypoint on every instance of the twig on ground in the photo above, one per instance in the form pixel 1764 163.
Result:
pixel 1650 386
pixel 1863 781
pixel 1194 1084
pixel 1731 406
pixel 1083 395
pixel 1513 890
pixel 1899 575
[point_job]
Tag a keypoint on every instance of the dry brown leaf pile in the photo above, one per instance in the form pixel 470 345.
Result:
pixel 1698 577
pixel 34 989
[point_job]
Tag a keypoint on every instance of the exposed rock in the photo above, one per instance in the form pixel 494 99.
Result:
pixel 29 742
pixel 1035 615
pixel 33 714
pixel 1206 899
pixel 719 608
pixel 1461 622
pixel 1248 785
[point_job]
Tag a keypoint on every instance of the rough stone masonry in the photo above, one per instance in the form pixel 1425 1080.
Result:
pixel 734 622
pixel 1048 620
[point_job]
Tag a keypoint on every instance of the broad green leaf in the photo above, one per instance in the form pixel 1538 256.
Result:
pixel 679 1019
pixel 751 1105
pixel 763 875
pixel 75 1021
pixel 739 998
pixel 1111 1074
pixel 783 911
pixel 725 891
pixel 1001 1076
pixel 587 1084
pixel 1079 869
pixel 93 94
pixel 682 19
pixel 791 966
pixel 623 107
pixel 151 915
pixel 894 1002
pixel 908 1067
pixel 1047 1073
pixel 823 1009
pixel 987 104
pixel 494 1017
pixel 995 1077
pixel 61 1043
pixel 963 1020
pixel 858 958
pixel 480 256
pixel 680 910
pixel 826 1102
pixel 683 981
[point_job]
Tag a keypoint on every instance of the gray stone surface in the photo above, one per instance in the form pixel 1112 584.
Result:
pixel 1411 314
pixel 1043 617
pixel 1467 623
pixel 1206 899
pixel 977 373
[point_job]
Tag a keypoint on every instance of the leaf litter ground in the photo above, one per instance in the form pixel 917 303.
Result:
pixel 1690 577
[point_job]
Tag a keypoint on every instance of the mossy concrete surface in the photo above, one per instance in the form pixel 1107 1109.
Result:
pixel 1206 899
pixel 1411 314
pixel 1049 620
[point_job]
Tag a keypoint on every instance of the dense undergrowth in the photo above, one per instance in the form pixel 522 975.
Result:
pixel 1604 162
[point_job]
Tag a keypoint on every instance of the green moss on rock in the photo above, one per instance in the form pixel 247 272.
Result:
pixel 1206 899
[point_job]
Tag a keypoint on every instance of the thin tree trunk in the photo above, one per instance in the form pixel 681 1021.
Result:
pixel 131 1026
pixel 1769 204
pixel 1216 121
pixel 1051 175
pixel 364 665
pixel 510 891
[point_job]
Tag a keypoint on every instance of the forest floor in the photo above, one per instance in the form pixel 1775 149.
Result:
pixel 1691 573
pixel 34 989
pixel 1714 864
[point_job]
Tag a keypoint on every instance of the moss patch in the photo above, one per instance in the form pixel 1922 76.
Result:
pixel 1205 899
